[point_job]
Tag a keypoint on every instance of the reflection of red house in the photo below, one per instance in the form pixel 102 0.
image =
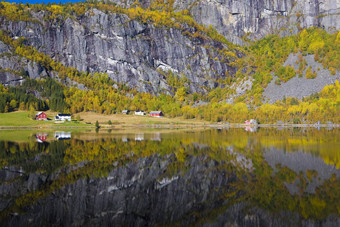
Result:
pixel 41 137
pixel 156 114
pixel 41 116
pixel 250 129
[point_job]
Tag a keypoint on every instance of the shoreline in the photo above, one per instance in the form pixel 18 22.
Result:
pixel 179 126
pixel 235 125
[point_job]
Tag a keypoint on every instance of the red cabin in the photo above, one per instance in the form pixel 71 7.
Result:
pixel 41 116
pixel 251 122
pixel 156 114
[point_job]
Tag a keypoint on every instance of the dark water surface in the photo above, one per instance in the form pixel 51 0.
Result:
pixel 226 177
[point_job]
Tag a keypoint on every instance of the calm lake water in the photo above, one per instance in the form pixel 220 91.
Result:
pixel 213 177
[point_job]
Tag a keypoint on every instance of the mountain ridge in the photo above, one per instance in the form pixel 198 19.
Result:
pixel 96 42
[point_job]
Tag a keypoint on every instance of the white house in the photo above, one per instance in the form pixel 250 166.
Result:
pixel 139 112
pixel 125 111
pixel 251 122
pixel 63 117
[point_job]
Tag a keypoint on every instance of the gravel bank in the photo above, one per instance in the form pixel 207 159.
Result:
pixel 300 87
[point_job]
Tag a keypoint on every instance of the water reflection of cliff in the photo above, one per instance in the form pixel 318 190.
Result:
pixel 310 166
pixel 191 178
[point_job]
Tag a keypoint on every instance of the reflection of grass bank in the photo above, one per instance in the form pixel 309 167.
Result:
pixel 16 135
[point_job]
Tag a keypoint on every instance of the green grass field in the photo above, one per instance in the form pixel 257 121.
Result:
pixel 21 119
pixel 17 119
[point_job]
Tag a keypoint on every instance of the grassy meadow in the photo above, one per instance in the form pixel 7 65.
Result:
pixel 88 119
pixel 134 120
pixel 21 119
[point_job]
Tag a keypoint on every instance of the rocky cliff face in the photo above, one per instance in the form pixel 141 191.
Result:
pixel 135 53
pixel 257 18
pixel 130 52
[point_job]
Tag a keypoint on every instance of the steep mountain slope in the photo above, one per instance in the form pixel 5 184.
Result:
pixel 257 18
pixel 179 57
pixel 130 52
pixel 134 52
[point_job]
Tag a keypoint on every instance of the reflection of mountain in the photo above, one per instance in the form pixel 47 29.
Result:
pixel 302 162
pixel 140 194
pixel 209 178
pixel 137 194
pixel 10 173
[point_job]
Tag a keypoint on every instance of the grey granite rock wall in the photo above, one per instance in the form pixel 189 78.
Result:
pixel 133 53
pixel 130 52
pixel 257 18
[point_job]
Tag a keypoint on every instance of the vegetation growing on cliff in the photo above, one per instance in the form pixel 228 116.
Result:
pixel 267 56
pixel 109 99
pixel 102 95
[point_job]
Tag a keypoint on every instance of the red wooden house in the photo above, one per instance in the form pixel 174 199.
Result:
pixel 247 122
pixel 41 116
pixel 251 122
pixel 156 114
